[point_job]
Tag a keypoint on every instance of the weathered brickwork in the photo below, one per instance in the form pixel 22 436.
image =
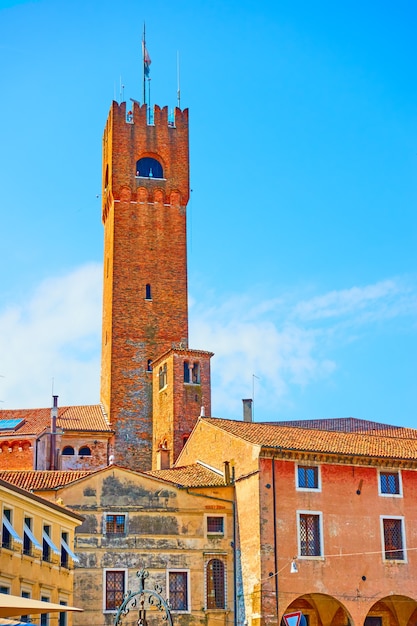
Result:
pixel 145 268
pixel 178 403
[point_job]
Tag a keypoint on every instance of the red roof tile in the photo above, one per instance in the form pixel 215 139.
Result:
pixel 195 475
pixel 401 443
pixel 37 480
pixel 89 418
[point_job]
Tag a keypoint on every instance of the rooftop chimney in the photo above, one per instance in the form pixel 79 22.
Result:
pixel 247 410
pixel 54 416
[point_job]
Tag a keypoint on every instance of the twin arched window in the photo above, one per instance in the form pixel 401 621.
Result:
pixel 147 167
pixel 192 372
pixel 163 376
pixel 69 451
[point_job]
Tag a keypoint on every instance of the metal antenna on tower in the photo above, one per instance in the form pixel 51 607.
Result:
pixel 178 81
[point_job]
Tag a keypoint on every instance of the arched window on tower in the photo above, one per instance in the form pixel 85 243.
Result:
pixel 84 451
pixel 68 451
pixel 147 167
pixel 215 585
pixel 149 365
pixel 148 292
pixel 196 373
pixel 186 371
pixel 163 377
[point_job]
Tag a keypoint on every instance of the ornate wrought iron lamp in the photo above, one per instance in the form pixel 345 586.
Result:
pixel 142 599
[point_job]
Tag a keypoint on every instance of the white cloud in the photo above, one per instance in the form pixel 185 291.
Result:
pixel 53 338
pixel 285 342
pixel 269 346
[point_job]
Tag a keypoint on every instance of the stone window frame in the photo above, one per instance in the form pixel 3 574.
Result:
pixel 125 582
pixel 403 548
pixel 209 557
pixel 319 515
pixel 115 514
pixel 388 494
pixel 213 533
pixel 308 466
pixel 180 570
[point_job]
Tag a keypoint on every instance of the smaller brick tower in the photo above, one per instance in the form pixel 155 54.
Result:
pixel 181 392
pixel 145 193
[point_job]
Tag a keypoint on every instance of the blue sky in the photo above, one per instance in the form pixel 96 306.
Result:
pixel 302 221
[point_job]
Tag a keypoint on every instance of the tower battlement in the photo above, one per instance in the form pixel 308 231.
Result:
pixel 141 155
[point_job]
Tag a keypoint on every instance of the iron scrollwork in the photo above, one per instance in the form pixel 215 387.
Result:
pixel 142 599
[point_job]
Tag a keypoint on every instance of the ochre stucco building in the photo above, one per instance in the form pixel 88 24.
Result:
pixel 36 555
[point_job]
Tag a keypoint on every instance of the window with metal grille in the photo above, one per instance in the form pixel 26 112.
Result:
pixel 178 591
pixel 215 525
pixel 115 588
pixel 310 544
pixel 215 584
pixel 389 482
pixel 115 524
pixel 308 477
pixel 393 539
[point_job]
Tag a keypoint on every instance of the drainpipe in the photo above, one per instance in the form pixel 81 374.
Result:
pixel 274 499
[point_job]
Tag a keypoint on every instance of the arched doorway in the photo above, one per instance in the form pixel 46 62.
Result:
pixel 320 609
pixel 393 610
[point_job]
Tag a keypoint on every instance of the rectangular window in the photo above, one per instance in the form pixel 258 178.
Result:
pixel 115 524
pixel 178 590
pixel 6 539
pixel 44 616
pixel 393 539
pixel 115 588
pixel 27 541
pixel 4 589
pixel 309 534
pixel 46 547
pixel 64 551
pixel 62 620
pixel 307 477
pixel 25 618
pixel 215 525
pixel 389 483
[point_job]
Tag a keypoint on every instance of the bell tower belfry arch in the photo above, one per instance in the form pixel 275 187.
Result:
pixel 145 194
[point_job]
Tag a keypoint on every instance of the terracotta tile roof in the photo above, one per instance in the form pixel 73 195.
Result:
pixel 70 418
pixel 352 425
pixel 37 480
pixel 195 475
pixel 400 444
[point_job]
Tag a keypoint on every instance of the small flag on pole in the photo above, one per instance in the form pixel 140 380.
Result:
pixel 146 59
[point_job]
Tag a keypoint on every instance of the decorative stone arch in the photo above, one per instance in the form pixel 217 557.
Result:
pixel 395 610
pixel 320 610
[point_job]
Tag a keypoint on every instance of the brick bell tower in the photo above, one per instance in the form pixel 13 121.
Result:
pixel 145 314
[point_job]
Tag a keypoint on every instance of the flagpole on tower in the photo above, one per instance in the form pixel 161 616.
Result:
pixel 144 66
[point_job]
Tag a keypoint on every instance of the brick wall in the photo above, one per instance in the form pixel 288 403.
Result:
pixel 144 244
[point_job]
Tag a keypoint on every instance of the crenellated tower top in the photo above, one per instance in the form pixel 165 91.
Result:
pixel 145 155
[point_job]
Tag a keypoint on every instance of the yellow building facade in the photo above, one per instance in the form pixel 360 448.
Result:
pixel 36 555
